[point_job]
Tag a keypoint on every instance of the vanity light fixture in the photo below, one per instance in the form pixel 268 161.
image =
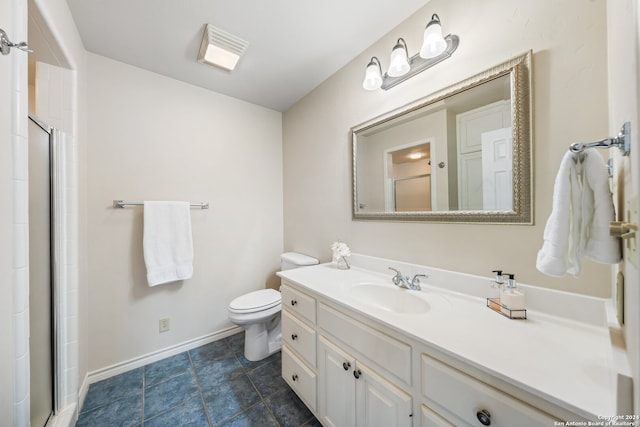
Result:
pixel 435 49
pixel 220 49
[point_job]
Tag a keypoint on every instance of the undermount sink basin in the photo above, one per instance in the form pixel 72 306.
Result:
pixel 390 298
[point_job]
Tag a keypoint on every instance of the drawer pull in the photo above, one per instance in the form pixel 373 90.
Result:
pixel 484 417
pixel 294 302
pixel 294 377
pixel 346 366
pixel 294 336
pixel 357 373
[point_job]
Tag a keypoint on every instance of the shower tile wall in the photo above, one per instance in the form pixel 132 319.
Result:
pixel 17 27
pixel 55 105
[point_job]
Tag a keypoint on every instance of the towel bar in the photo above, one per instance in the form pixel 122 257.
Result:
pixel 122 204
pixel 622 141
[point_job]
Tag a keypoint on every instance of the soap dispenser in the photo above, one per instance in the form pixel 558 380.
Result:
pixel 511 297
pixel 494 290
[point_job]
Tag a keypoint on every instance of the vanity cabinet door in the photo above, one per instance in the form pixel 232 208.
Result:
pixel 352 394
pixel 336 385
pixel 380 403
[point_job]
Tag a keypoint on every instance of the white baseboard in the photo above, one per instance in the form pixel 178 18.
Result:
pixel 82 393
pixel 65 418
pixel 119 368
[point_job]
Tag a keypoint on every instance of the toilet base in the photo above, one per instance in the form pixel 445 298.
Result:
pixel 261 340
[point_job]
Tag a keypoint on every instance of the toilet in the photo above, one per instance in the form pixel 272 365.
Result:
pixel 258 312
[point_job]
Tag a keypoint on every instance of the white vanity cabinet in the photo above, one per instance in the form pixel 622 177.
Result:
pixel 352 369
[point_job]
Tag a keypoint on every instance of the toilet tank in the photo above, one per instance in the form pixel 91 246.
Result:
pixel 290 260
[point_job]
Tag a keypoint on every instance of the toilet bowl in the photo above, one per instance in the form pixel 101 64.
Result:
pixel 258 313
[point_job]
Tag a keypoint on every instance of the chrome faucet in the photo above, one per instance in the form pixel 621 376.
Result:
pixel 402 281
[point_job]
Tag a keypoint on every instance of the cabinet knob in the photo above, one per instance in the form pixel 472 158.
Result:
pixel 294 336
pixel 484 417
pixel 357 373
pixel 346 366
pixel 294 377
pixel 293 302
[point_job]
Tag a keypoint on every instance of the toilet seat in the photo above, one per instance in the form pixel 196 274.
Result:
pixel 255 301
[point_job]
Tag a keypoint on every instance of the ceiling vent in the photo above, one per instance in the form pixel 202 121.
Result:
pixel 220 49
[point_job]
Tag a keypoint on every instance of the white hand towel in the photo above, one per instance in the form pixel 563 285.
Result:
pixel 599 212
pixel 559 252
pixel 167 242
pixel 579 222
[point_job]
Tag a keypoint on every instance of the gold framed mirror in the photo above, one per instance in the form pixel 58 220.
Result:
pixel 462 154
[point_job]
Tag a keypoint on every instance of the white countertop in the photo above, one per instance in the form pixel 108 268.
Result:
pixel 566 362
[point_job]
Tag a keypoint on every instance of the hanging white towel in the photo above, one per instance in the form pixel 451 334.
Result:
pixel 167 242
pixel 579 220
pixel 598 212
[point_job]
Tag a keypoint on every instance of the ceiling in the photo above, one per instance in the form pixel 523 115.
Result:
pixel 294 45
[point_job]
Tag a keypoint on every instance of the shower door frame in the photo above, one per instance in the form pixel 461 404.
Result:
pixel 54 248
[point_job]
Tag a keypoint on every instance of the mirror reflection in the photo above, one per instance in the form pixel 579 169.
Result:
pixel 450 157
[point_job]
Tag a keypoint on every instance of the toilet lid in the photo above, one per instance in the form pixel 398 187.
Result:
pixel 263 299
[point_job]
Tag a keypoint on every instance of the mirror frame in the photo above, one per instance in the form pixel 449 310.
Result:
pixel 519 71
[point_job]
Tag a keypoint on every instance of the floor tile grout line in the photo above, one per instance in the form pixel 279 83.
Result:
pixel 82 411
pixel 246 374
pixel 168 409
pixel 204 405
pixel 262 399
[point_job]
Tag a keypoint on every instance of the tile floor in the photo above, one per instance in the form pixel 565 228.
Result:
pixel 212 385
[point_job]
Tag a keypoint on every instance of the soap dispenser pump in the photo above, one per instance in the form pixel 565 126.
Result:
pixel 499 277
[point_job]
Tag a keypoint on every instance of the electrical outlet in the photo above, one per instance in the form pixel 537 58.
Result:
pixel 164 325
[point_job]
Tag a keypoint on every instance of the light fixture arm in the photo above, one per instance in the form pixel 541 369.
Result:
pixel 419 64
pixel 403 44
pixel 375 61
pixel 435 19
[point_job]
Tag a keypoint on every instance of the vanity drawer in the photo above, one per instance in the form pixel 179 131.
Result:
pixel 390 354
pixel 299 337
pixel 462 397
pixel 299 303
pixel 300 378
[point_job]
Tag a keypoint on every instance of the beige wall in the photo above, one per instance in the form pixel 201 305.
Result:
pixel 154 138
pixel 568 41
